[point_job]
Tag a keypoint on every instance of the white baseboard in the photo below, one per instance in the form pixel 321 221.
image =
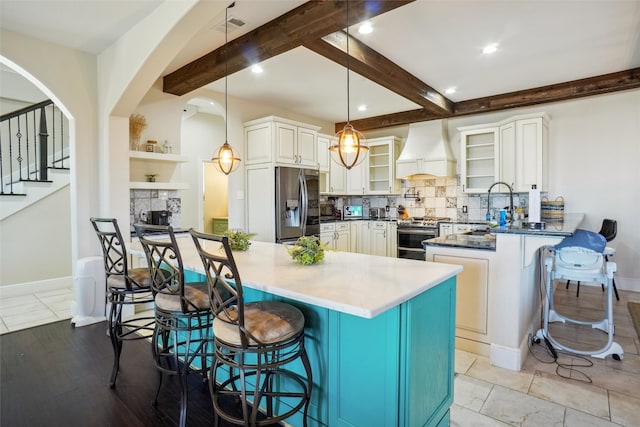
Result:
pixel 627 284
pixel 506 357
pixel 20 289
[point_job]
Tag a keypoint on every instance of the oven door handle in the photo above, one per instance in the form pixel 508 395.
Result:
pixel 400 248
pixel 424 232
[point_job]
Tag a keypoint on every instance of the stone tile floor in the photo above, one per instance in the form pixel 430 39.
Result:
pixel 545 393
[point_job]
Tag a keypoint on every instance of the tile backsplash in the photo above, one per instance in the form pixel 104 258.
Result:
pixel 142 201
pixel 438 197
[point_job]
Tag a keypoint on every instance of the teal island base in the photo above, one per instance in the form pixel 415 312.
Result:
pixel 395 369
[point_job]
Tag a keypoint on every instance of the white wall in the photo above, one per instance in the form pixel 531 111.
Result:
pixel 68 77
pixel 201 135
pixel 594 146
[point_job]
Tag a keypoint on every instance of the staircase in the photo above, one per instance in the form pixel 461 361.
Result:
pixel 34 156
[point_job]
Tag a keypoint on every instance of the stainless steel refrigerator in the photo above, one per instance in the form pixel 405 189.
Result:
pixel 297 203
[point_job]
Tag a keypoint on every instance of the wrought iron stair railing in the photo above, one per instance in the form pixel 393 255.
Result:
pixel 33 140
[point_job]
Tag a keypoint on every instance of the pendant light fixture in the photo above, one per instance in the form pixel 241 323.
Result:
pixel 226 159
pixel 348 147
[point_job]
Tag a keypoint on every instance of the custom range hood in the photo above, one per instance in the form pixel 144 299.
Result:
pixel 426 152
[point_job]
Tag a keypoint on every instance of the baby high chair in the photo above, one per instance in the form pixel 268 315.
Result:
pixel 580 257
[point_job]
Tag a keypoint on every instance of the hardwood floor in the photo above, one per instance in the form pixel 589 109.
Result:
pixel 57 375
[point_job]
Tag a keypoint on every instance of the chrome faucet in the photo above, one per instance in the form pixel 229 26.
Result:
pixel 510 200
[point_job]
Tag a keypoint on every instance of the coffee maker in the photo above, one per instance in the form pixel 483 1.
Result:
pixel 159 217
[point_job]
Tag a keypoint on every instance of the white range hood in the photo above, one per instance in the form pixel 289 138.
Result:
pixel 426 151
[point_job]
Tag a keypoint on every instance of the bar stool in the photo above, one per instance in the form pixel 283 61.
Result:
pixel 253 342
pixel 182 341
pixel 125 286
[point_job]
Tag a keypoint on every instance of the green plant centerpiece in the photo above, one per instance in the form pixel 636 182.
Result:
pixel 307 250
pixel 239 240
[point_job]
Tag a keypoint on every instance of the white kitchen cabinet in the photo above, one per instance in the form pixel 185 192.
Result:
pixel 381 169
pixel 445 228
pixel 472 295
pixel 378 240
pixel 324 158
pixel 532 152
pixel 363 234
pixel 260 204
pixel 336 236
pixel 337 179
pixel 392 239
pixel 514 151
pixel 479 158
pixel 356 178
pixel 281 141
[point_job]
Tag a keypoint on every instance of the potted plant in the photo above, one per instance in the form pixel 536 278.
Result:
pixel 239 240
pixel 151 177
pixel 307 250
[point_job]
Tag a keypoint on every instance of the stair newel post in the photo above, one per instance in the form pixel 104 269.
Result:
pixel 43 136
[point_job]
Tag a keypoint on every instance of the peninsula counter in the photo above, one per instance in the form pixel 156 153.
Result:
pixel 380 330
pixel 499 290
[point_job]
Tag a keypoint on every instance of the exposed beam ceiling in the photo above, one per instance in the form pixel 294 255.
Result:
pixel 318 25
pixel 598 85
pixel 377 68
pixel 308 22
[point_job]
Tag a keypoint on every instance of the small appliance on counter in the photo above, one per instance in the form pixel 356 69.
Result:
pixel 352 212
pixel 159 217
pixel 377 213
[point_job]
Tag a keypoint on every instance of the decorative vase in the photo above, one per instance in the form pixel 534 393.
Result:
pixel 134 143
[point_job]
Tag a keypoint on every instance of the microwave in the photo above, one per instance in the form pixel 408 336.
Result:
pixel 352 212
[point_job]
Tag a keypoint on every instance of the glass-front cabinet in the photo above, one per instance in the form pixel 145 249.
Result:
pixel 479 159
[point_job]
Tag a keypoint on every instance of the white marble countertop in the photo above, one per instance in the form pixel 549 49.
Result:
pixel 357 284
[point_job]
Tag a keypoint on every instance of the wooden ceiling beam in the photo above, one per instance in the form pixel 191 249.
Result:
pixel 597 85
pixel 379 69
pixel 310 21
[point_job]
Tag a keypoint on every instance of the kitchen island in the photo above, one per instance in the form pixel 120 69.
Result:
pixel 380 330
pixel 498 293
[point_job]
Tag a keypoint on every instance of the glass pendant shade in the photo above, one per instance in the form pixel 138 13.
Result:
pixel 226 159
pixel 348 147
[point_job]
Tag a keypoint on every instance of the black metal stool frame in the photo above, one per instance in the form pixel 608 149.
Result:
pixel 252 358
pixel 124 287
pixel 183 333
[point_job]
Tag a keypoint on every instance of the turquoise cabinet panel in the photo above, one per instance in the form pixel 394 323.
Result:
pixel 316 338
pixel 427 364
pixel 363 369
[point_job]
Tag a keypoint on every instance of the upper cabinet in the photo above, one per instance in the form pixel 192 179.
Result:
pixel 381 176
pixel 374 176
pixel 478 158
pixel 514 151
pixel 281 141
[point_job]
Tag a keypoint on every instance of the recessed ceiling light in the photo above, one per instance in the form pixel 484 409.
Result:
pixel 450 90
pixel 490 48
pixel 365 28
pixel 362 107
pixel 256 69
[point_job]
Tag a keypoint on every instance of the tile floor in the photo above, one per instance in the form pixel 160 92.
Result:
pixel 544 393
pixel 27 311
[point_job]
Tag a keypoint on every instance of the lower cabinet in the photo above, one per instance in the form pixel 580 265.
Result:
pixel 364 237
pixel 336 236
pixel 473 293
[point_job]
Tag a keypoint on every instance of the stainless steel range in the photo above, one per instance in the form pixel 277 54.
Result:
pixel 411 233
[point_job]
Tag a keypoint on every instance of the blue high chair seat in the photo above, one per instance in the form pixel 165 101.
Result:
pixel 579 257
